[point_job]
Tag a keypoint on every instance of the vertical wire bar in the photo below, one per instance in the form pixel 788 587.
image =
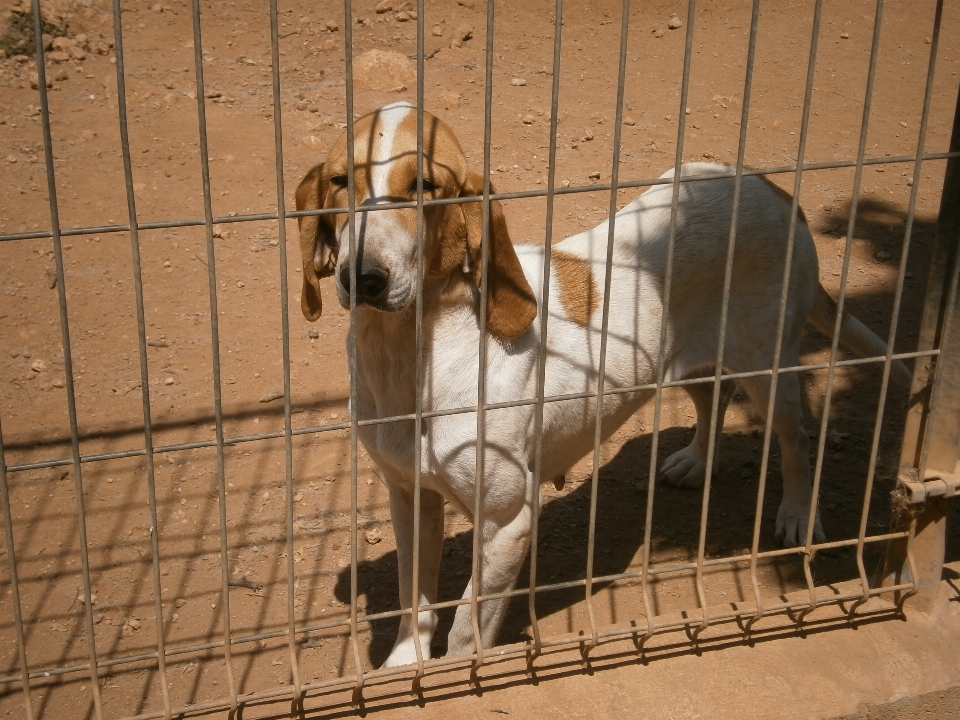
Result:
pixel 352 343
pixel 215 353
pixel 418 381
pixel 741 152
pixel 895 312
pixel 14 584
pixel 544 315
pixel 662 349
pixel 715 418
pixel 835 342
pixel 781 315
pixel 67 358
pixel 144 367
pixel 604 323
pixel 285 334
pixel 475 577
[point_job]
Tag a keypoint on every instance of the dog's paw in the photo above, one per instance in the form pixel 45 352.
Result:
pixel 792 527
pixel 404 653
pixel 684 469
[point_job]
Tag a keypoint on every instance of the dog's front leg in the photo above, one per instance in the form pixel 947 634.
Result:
pixel 431 545
pixel 503 548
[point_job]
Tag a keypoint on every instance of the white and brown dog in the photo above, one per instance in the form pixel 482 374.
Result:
pixel 385 273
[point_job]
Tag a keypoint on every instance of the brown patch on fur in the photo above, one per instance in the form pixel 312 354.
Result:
pixel 578 292
pixel 318 245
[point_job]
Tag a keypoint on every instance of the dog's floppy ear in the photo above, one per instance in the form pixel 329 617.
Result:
pixel 318 241
pixel 511 304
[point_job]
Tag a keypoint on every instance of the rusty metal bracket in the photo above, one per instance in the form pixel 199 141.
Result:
pixel 936 485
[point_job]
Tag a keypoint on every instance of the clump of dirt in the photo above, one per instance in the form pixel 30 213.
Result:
pixel 18 36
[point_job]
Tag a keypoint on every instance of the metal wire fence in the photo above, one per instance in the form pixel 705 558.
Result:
pixel 697 618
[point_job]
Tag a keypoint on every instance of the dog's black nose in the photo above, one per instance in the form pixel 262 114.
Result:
pixel 370 285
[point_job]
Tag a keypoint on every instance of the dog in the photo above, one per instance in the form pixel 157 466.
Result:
pixel 385 273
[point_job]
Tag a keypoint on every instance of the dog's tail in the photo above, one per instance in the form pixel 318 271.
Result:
pixel 854 335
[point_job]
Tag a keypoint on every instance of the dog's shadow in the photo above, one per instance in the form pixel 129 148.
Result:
pixel 562 536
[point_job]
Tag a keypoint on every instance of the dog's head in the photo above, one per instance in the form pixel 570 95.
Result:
pixel 385 267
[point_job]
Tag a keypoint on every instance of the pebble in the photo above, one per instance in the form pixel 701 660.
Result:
pixel 58 56
pixel 675 23
pixel 402 16
pixel 565 183
pixel 384 6
pixel 313 335
pixel 437 31
pixel 594 176
pixel 883 255
pixel 518 82
pixel 332 25
pixel 168 381
pixel 38 366
pixel 658 33
pixel 461 35
pixel 845 36
pixel 629 121
pixel 373 536
pixel 528 119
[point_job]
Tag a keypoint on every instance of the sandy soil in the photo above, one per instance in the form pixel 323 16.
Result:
pixel 167 182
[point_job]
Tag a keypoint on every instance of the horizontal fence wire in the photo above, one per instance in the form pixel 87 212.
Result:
pixel 518 195
pixel 297 689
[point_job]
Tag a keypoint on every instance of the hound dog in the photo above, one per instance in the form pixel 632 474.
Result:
pixel 385 271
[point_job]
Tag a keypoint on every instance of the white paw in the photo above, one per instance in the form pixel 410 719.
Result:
pixel 792 527
pixel 685 469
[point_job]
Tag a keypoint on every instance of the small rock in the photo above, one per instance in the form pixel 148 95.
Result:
pixel 402 16
pixel 883 255
pixel 594 176
pixel 369 481
pixel 57 383
pixel 38 366
pixel 927 40
pixel 62 75
pixel 77 53
pixel 565 183
pixel 11 158
pixel 62 44
pixel 518 82
pixel 384 6
pixel 180 602
pixel 437 31
pixel 373 536
pixel 528 119
pixel 675 23
pixel 20 59
pixel 47 41
pixel 658 33
pixel 469 4
pixel 461 35
pixel 313 335
pixel 168 381
pixel 58 56
pixel 587 135
pixel 240 283
pixel 629 121
pixel 844 36
pixel 301 105
pixel 35 81
pixel 212 94
pixel 331 25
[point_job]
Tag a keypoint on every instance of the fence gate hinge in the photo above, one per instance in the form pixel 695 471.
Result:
pixel 934 484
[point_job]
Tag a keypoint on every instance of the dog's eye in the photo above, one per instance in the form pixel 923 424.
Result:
pixel 339 181
pixel 427 186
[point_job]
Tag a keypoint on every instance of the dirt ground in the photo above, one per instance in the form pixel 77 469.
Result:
pixel 164 141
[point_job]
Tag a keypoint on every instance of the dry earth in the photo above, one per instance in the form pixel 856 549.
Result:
pixel 164 142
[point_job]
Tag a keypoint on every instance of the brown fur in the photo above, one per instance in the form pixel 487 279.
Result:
pixel 315 230
pixel 578 292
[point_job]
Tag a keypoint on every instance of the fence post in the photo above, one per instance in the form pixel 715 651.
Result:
pixel 929 474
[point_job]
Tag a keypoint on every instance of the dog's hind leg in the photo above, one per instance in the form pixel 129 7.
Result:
pixel 431 545
pixel 794 512
pixel 687 468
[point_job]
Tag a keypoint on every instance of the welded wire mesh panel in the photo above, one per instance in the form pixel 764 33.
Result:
pixel 200 505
